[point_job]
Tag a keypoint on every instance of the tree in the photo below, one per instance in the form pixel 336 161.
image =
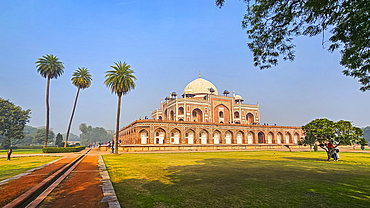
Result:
pixel 41 134
pixel 366 131
pixel 339 133
pixel 82 127
pixel 59 140
pixel 272 24
pixel 12 122
pixel 49 67
pixel 81 78
pixel 309 139
pixel 121 81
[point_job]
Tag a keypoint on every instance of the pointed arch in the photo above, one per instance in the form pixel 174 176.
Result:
pixel 270 138
pixel 228 138
pixel 250 137
pixel 159 135
pixel 216 137
pixel 288 138
pixel 203 136
pixel 261 138
pixel 189 136
pixel 240 137
pixel 279 138
pixel 144 136
pixel 175 136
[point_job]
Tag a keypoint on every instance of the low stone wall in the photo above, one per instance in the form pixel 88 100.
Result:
pixel 148 148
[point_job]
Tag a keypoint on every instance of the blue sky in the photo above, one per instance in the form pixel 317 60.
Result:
pixel 166 43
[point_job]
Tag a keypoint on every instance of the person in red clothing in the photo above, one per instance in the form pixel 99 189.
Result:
pixel 9 153
pixel 330 150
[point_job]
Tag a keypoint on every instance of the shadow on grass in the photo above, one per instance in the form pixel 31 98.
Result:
pixel 307 159
pixel 220 182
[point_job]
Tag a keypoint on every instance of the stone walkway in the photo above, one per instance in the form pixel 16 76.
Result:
pixel 88 185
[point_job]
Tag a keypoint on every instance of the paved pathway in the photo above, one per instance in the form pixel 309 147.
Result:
pixel 88 185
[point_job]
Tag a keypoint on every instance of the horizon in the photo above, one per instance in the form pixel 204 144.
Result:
pixel 166 43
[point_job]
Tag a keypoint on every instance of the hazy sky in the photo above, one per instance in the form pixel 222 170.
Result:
pixel 166 43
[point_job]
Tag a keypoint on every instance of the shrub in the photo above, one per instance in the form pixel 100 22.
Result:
pixel 62 149
pixel 362 147
pixel 315 148
pixel 26 147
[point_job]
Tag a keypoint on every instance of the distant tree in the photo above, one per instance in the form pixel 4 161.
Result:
pixel 71 137
pixel 49 67
pixel 366 131
pixel 12 122
pixel 273 24
pixel 81 78
pixel 338 133
pixel 40 135
pixel 59 140
pixel 82 127
pixel 121 81
pixel 309 139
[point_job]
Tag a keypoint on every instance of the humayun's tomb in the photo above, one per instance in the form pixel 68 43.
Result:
pixel 201 119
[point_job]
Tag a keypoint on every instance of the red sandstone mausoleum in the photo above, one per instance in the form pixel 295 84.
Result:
pixel 201 119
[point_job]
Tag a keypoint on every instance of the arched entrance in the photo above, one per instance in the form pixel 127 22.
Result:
pixel 270 138
pixel 288 138
pixel 189 137
pixel 261 137
pixel 159 136
pixel 239 138
pixel 250 118
pixel 203 135
pixel 144 137
pixel 296 136
pixel 228 137
pixel 175 137
pixel 279 136
pixel 250 137
pixel 216 137
pixel 172 116
pixel 197 115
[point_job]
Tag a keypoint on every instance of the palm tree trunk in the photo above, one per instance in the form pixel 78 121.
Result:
pixel 70 121
pixel 117 127
pixel 47 113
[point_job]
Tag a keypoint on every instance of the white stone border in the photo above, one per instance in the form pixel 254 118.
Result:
pixel 108 190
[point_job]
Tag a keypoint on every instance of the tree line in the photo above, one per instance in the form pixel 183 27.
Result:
pixel 120 80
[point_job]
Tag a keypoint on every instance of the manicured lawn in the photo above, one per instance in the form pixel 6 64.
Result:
pixel 19 165
pixel 22 151
pixel 240 179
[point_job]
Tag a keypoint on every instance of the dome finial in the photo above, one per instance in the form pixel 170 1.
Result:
pixel 199 74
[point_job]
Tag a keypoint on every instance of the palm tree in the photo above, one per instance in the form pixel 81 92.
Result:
pixel 49 67
pixel 81 78
pixel 121 81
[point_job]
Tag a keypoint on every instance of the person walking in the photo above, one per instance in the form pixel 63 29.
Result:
pixel 336 149
pixel 9 153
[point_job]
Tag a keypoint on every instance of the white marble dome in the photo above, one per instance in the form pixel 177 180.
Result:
pixel 200 86
pixel 238 97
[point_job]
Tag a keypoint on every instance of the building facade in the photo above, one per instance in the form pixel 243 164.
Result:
pixel 202 117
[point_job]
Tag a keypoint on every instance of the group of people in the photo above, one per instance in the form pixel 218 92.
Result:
pixel 333 152
pixel 111 144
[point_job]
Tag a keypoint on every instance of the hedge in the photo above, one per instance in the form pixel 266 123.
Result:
pixel 62 149
pixel 26 147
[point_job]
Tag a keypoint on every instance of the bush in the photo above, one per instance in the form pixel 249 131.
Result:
pixel 362 147
pixel 26 147
pixel 62 149
pixel 315 148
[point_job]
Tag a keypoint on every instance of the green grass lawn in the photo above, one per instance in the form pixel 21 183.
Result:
pixel 22 151
pixel 19 165
pixel 240 179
